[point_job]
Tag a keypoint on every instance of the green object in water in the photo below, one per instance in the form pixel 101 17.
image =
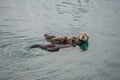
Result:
pixel 84 46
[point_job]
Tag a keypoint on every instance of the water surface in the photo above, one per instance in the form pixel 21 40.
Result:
pixel 24 22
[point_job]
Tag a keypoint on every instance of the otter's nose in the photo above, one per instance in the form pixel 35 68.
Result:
pixel 82 36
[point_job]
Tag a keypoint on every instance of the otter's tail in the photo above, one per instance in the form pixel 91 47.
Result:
pixel 38 46
pixel 42 46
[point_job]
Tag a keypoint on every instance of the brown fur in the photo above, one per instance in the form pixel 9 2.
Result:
pixel 59 40
pixel 70 40
pixel 65 40
pixel 50 46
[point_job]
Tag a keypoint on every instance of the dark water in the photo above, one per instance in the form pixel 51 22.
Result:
pixel 23 23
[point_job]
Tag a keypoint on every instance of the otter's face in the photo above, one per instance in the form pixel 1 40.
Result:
pixel 83 37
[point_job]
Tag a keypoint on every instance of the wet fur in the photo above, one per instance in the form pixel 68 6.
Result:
pixel 59 40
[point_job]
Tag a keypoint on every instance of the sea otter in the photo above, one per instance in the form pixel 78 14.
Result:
pixel 61 42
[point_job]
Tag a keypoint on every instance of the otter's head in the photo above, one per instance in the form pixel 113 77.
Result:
pixel 83 37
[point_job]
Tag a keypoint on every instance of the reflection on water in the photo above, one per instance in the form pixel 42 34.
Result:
pixel 23 23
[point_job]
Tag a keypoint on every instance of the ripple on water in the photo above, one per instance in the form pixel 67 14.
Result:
pixel 20 25
pixel 19 47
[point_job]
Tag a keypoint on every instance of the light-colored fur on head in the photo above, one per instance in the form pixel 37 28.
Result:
pixel 83 37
